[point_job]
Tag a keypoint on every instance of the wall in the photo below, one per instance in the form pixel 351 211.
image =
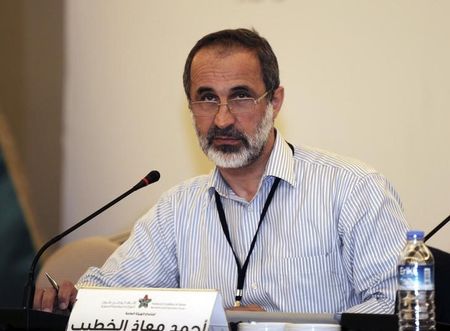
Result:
pixel 368 79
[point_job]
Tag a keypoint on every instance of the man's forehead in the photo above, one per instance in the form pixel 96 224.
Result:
pixel 225 70
pixel 222 51
pixel 235 62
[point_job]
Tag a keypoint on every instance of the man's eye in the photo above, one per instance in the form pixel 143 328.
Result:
pixel 241 95
pixel 208 97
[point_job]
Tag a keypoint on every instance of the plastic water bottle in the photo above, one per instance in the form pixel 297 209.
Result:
pixel 416 285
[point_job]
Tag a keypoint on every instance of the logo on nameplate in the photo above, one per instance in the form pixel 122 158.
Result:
pixel 144 301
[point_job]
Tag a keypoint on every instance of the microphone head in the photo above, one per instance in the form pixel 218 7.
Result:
pixel 152 177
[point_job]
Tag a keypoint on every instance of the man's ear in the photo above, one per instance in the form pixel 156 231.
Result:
pixel 277 100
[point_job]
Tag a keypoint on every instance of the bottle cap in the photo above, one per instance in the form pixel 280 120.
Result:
pixel 415 234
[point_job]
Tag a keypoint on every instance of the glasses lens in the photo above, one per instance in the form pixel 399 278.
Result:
pixel 204 108
pixel 241 105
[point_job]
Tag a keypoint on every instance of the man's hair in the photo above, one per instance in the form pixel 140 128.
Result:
pixel 244 38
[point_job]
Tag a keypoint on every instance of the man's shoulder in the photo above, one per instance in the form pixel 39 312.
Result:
pixel 316 157
pixel 192 186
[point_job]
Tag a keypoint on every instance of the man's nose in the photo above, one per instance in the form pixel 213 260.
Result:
pixel 224 117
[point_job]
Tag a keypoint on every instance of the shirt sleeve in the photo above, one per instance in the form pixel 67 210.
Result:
pixel 146 259
pixel 372 227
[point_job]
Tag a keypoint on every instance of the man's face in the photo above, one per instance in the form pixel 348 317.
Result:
pixel 230 140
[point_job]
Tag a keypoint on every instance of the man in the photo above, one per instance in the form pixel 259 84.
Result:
pixel 273 227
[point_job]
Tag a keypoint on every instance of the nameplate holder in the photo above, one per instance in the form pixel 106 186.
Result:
pixel 138 309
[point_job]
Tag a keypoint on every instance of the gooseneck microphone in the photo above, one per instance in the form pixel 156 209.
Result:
pixel 28 295
pixel 436 229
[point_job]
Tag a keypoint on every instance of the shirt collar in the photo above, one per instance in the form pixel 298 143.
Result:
pixel 281 161
pixel 280 164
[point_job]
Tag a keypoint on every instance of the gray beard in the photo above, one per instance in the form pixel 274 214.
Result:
pixel 237 156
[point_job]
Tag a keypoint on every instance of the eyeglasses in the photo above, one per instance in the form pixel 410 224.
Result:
pixel 235 106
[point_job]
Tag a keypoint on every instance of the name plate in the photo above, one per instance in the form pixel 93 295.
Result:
pixel 135 309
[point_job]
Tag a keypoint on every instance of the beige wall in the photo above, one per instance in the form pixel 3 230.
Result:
pixel 31 61
pixel 369 79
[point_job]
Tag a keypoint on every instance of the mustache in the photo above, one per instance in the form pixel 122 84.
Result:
pixel 228 132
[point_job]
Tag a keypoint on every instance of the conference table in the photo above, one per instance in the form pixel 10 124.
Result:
pixel 15 319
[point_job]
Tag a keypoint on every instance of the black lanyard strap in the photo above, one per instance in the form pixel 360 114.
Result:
pixel 242 271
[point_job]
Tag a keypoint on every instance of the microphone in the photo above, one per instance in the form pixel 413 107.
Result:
pixel 436 229
pixel 28 295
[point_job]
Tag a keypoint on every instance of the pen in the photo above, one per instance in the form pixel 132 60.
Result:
pixel 56 287
pixel 52 282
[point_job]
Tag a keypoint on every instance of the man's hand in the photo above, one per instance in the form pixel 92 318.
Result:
pixel 47 299
pixel 251 307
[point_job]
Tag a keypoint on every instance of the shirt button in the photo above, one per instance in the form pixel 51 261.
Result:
pixel 254 286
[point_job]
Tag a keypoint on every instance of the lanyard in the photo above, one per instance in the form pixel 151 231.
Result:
pixel 242 270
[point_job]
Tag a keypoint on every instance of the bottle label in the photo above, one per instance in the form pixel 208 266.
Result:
pixel 415 277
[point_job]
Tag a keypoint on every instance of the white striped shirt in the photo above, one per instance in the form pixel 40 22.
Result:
pixel 329 241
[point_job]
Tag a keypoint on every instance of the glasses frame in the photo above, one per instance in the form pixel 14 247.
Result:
pixel 230 109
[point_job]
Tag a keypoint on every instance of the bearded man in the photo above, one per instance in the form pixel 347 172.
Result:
pixel 274 226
